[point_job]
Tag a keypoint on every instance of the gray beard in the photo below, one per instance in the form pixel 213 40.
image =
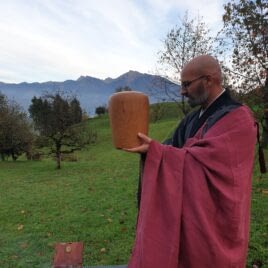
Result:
pixel 198 100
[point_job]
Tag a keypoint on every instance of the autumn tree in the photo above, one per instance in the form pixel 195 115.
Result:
pixel 59 118
pixel 188 39
pixel 246 28
pixel 16 135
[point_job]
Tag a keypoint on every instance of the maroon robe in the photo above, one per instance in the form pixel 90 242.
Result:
pixel 195 201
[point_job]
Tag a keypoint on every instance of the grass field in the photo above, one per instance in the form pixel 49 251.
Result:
pixel 92 200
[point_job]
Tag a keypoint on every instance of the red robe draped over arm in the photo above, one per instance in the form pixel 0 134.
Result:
pixel 195 201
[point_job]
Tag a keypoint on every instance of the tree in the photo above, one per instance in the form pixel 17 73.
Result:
pixel 75 111
pixel 157 111
pixel 59 118
pixel 16 135
pixel 185 41
pixel 100 110
pixel 246 26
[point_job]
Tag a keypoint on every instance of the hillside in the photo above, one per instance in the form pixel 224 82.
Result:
pixel 91 200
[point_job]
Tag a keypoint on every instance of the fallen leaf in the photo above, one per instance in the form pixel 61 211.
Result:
pixel 103 250
pixel 14 257
pixel 20 227
pixel 68 249
pixel 51 244
pixel 109 220
pixel 23 245
pixel 265 192
pixel 123 229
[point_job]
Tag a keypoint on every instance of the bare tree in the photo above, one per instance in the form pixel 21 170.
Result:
pixel 185 41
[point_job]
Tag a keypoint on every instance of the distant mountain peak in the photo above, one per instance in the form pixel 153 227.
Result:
pixel 131 72
pixel 108 80
pixel 90 90
pixel 130 76
pixel 86 77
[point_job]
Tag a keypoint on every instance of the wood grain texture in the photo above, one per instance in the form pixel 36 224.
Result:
pixel 129 115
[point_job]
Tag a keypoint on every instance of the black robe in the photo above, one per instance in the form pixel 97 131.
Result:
pixel 192 122
pixel 189 126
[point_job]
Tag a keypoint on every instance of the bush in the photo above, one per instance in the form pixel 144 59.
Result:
pixel 101 110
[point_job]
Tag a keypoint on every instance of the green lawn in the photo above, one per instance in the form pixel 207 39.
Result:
pixel 92 200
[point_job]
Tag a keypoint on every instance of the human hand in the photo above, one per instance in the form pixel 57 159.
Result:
pixel 143 148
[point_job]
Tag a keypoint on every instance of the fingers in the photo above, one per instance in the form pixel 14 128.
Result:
pixel 140 149
pixel 144 138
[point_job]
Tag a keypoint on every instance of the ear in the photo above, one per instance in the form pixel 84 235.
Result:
pixel 209 80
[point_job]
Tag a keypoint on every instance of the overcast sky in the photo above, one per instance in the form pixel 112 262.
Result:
pixel 55 40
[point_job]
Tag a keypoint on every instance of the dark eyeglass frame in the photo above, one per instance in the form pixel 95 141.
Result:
pixel 186 84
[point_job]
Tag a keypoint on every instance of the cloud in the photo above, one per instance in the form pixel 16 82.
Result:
pixel 210 10
pixel 44 40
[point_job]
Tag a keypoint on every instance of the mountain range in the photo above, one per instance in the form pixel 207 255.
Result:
pixel 92 92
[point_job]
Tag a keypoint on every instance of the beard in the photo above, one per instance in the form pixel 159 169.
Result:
pixel 199 97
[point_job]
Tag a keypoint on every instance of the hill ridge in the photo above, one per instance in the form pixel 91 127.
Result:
pixel 90 91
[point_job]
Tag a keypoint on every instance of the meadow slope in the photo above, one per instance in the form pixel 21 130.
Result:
pixel 91 200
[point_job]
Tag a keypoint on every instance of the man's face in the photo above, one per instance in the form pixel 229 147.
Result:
pixel 194 90
pixel 198 96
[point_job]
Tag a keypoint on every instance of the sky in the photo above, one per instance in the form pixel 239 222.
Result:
pixel 56 40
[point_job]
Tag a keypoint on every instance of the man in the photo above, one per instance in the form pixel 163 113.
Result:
pixel 195 197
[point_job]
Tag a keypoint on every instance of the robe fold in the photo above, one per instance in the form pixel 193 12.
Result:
pixel 195 200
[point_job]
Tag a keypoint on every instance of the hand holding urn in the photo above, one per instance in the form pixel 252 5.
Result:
pixel 129 115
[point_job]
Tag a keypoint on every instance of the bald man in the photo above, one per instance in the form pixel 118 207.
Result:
pixel 195 197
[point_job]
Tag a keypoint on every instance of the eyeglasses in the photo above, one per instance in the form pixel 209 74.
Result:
pixel 186 84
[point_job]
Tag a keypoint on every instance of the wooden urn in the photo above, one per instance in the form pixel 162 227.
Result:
pixel 129 115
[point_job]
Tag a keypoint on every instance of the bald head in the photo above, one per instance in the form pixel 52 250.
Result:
pixel 203 65
pixel 201 80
